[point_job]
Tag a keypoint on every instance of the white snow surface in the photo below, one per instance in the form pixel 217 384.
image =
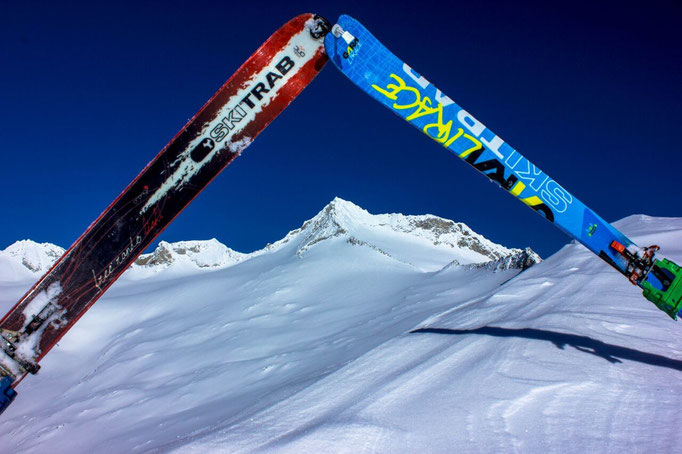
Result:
pixel 346 336
pixel 185 256
pixel 25 258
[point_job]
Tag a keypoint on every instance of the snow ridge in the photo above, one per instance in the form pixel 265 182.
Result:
pixel 518 259
pixel 36 257
pixel 27 258
pixel 202 254
pixel 426 242
pixel 447 241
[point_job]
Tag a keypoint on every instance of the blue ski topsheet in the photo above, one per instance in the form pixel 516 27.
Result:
pixel 386 78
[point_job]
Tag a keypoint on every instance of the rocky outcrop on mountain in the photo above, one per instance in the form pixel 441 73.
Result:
pixel 202 254
pixel 31 256
pixel 519 259
pixel 393 234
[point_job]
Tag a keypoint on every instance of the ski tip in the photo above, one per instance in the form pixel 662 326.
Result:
pixel 318 26
pixel 342 21
pixel 7 394
pixel 346 17
pixel 342 43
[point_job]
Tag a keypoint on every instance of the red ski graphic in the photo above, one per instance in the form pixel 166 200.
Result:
pixel 260 89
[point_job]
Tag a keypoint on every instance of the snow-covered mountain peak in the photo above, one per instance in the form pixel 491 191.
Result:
pixel 377 350
pixel 28 258
pixel 27 255
pixel 346 213
pixel 427 242
pixel 202 254
pixel 338 218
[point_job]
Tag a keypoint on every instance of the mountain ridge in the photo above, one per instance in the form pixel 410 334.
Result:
pixel 449 243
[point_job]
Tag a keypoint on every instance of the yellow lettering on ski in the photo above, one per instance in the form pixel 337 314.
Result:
pixel 439 131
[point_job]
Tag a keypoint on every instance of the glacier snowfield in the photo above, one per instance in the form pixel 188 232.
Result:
pixel 358 333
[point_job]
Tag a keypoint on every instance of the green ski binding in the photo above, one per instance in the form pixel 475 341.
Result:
pixel 668 297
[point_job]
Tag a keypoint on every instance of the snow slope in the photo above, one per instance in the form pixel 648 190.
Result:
pixel 566 357
pixel 360 333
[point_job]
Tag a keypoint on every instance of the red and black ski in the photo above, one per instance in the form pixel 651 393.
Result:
pixel 260 89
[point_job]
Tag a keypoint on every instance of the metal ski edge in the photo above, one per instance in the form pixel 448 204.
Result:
pixel 384 77
pixel 13 368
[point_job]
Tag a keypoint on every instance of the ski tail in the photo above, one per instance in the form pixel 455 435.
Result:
pixel 663 286
pixel 408 94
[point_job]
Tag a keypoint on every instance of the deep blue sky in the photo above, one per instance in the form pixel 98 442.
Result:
pixel 590 92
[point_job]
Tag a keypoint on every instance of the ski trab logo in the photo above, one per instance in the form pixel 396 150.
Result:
pixel 202 150
pixel 249 103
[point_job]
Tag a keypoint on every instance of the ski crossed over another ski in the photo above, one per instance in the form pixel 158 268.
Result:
pixel 260 89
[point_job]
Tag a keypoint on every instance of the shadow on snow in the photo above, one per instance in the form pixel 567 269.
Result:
pixel 611 353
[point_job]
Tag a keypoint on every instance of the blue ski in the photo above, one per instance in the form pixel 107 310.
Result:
pixel 393 83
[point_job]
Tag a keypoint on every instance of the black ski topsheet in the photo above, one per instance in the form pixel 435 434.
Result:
pixel 260 89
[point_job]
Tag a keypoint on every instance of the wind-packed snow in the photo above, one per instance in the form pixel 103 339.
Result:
pixel 347 336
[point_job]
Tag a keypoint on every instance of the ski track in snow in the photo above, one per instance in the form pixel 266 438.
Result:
pixel 308 348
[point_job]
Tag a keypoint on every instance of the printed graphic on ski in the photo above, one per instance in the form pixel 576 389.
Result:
pixel 260 89
pixel 393 83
